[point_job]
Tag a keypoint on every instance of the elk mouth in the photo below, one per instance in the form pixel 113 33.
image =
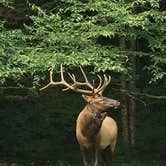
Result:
pixel 113 104
pixel 117 105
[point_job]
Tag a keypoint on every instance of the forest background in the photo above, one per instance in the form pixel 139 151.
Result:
pixel 122 38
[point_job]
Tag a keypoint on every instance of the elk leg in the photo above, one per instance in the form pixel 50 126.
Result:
pixel 97 159
pixel 107 156
pixel 84 155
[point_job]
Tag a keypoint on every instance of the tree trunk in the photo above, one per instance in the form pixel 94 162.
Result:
pixel 128 102
pixel 124 110
pixel 131 87
pixel 124 115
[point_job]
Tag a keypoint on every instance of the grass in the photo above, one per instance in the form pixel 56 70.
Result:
pixel 64 163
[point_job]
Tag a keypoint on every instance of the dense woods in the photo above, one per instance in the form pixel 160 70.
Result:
pixel 122 38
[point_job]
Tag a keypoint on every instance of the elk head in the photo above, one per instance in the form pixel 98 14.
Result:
pixel 101 103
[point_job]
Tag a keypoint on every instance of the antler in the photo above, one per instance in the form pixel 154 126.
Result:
pixel 69 86
pixel 74 86
pixel 100 89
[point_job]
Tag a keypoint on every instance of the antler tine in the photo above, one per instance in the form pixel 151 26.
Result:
pixel 62 82
pixel 104 82
pixel 107 80
pixel 93 90
pixel 100 81
pixel 73 86
pixel 61 71
pixel 65 89
pixel 72 76
pixel 51 81
pixel 51 73
pixel 86 80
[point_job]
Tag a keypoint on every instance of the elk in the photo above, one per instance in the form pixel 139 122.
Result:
pixel 94 128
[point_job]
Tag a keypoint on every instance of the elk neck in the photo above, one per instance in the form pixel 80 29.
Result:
pixel 92 122
pixel 95 112
pixel 91 108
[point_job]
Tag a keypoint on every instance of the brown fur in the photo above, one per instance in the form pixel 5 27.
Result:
pixel 96 130
pixel 89 123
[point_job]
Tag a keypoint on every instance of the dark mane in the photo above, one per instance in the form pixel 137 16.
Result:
pixel 93 122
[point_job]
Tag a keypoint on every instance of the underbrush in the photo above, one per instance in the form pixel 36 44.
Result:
pixel 64 163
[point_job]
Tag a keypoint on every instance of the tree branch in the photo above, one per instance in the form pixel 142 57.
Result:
pixel 144 94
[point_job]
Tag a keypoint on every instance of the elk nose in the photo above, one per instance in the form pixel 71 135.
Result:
pixel 118 103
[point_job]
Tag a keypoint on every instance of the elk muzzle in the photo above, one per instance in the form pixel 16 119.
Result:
pixel 109 103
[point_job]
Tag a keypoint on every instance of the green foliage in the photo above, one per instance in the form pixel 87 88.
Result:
pixel 5 2
pixel 87 33
pixel 11 50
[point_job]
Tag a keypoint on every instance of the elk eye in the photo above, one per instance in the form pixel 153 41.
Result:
pixel 97 95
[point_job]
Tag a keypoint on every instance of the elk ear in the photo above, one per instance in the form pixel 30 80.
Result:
pixel 86 98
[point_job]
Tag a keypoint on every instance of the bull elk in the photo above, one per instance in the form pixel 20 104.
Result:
pixel 94 129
